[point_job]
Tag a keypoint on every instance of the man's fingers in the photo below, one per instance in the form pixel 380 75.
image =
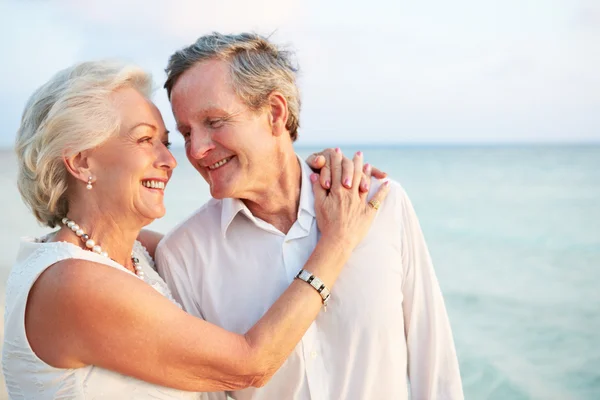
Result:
pixel 377 200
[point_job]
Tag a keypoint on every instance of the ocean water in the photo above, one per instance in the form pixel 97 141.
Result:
pixel 514 233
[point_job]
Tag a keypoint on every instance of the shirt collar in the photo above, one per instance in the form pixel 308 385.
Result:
pixel 306 209
pixel 231 207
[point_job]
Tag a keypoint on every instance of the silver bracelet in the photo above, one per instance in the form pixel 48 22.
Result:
pixel 315 283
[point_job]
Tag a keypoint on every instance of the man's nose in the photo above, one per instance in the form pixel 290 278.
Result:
pixel 200 144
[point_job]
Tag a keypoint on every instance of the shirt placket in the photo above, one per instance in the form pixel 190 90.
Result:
pixel 314 364
pixel 297 247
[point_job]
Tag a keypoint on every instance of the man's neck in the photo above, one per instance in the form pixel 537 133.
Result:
pixel 278 203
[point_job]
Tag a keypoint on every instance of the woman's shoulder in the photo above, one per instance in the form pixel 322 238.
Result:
pixel 64 268
pixel 34 256
pixel 37 256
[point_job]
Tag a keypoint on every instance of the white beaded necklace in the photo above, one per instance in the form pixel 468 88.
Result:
pixel 92 246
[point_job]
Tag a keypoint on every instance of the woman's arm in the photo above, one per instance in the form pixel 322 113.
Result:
pixel 81 313
pixel 100 316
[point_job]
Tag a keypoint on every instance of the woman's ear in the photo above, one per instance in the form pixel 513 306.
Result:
pixel 78 166
pixel 278 113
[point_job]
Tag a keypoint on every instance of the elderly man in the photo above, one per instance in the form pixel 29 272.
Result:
pixel 237 105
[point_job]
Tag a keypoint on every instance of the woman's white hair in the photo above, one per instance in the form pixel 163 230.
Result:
pixel 71 113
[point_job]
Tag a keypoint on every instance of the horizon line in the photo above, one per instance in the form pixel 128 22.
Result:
pixel 423 144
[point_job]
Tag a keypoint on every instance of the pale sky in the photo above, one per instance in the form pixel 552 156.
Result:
pixel 372 72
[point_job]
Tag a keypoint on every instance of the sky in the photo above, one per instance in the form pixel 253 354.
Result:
pixel 371 72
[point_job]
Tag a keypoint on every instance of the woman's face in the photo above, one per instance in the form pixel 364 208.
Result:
pixel 132 169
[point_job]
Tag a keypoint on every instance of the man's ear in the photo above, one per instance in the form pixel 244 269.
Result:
pixel 278 113
pixel 78 166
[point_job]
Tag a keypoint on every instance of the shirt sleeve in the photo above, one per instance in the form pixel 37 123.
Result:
pixel 432 363
pixel 171 266
pixel 215 396
pixel 172 269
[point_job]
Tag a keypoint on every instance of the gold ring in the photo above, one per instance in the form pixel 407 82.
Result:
pixel 375 204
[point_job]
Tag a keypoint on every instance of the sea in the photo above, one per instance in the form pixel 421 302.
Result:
pixel 514 233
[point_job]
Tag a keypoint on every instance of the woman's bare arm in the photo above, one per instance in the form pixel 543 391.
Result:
pixel 82 313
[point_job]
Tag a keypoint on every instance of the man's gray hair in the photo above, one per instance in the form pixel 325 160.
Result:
pixel 258 68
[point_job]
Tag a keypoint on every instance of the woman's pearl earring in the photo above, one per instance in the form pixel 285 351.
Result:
pixel 89 183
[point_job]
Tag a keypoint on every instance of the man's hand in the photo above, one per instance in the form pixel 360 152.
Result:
pixel 321 163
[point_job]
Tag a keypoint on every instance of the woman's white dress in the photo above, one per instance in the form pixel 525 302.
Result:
pixel 28 377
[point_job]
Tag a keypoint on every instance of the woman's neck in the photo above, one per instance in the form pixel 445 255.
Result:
pixel 115 239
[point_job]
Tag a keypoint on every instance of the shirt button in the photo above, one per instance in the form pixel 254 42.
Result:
pixel 313 354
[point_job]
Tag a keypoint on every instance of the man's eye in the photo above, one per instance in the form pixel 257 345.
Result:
pixel 215 123
pixel 167 144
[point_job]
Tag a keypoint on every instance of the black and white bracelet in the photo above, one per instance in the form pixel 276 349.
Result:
pixel 315 283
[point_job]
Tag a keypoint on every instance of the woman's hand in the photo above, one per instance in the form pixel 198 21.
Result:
pixel 321 162
pixel 343 211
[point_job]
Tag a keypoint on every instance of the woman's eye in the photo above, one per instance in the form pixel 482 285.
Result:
pixel 167 144
pixel 145 139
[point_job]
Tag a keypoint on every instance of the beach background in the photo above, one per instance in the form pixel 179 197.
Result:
pixel 487 112
pixel 514 232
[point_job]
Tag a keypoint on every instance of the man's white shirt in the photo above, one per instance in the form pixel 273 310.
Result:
pixel 386 318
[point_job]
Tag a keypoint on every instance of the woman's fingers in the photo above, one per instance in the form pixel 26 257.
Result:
pixel 377 173
pixel 357 169
pixel 321 162
pixel 324 160
pixel 319 191
pixel 325 174
pixel 316 161
pixel 348 172
pixel 377 199
pixel 365 180
pixel 370 171
pixel 342 212
pixel 336 169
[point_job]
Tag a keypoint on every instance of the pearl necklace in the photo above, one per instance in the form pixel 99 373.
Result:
pixel 92 246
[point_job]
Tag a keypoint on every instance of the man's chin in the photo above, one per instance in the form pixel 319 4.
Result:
pixel 219 193
pixel 226 187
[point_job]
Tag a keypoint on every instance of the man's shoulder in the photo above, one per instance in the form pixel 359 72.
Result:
pixel 396 197
pixel 205 220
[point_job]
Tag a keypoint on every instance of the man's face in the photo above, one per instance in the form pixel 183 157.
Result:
pixel 229 144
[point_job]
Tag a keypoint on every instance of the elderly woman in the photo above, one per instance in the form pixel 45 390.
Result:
pixel 87 316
